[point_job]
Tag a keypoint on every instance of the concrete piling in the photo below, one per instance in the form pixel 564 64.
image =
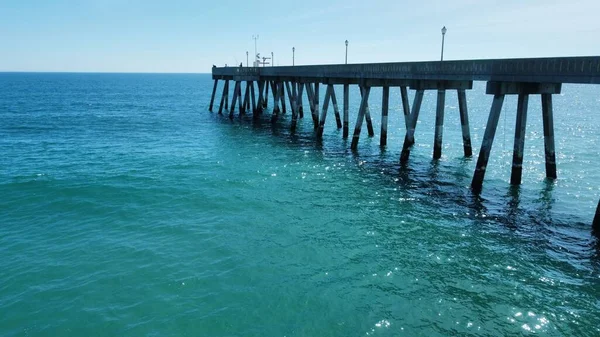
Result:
pixel 336 111
pixel 405 106
pixel 223 96
pixel 464 122
pixel 439 124
pixel 253 98
pixel 409 139
pixel 346 115
pixel 384 115
pixel 324 111
pixel 548 121
pixel 294 104
pixel 212 97
pixel 368 116
pixel 488 140
pixel 361 115
pixel 519 146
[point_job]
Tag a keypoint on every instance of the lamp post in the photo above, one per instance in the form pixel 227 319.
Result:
pixel 272 60
pixel 293 56
pixel 346 51
pixel 255 37
pixel 246 58
pixel 443 35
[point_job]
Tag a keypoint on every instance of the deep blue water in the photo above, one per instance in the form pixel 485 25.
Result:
pixel 129 209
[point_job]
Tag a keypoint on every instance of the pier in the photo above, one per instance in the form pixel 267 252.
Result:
pixel 541 77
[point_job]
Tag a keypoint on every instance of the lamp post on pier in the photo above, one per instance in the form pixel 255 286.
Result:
pixel 293 56
pixel 443 35
pixel 246 58
pixel 272 60
pixel 346 51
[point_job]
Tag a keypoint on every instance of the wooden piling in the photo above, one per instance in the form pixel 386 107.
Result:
pixel 324 111
pixel 517 164
pixel 338 121
pixel 346 114
pixel 409 139
pixel 212 97
pixel 361 115
pixel 486 145
pixel 405 106
pixel 464 122
pixel 548 120
pixel 384 115
pixel 439 124
pixel 223 97
pixel 368 118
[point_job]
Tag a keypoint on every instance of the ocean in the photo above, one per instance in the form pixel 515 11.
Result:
pixel 128 209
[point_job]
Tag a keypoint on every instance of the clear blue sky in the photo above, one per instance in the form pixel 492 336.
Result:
pixel 192 35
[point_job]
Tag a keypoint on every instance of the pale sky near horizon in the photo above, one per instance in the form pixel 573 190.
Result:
pixel 190 36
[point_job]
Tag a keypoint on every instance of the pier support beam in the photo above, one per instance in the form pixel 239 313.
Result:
pixel 596 223
pixel 338 121
pixel 253 98
pixel 486 146
pixel 517 164
pixel 260 103
pixel 246 104
pixel 299 100
pixel 405 106
pixel 275 90
pixel 361 115
pixel 266 95
pixel 237 97
pixel 523 89
pixel 324 111
pixel 409 139
pixel 316 103
pixel 385 101
pixel 224 96
pixel 227 97
pixel 368 116
pixel 464 122
pixel 548 120
pixel 294 106
pixel 346 115
pixel 311 101
pixel 439 124
pixel 282 97
pixel 289 94
pixel 212 97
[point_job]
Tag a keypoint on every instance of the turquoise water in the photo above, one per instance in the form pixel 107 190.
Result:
pixel 128 209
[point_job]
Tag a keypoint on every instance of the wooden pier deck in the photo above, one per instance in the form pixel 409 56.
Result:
pixel 521 77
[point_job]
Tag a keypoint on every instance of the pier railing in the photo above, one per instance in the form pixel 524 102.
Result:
pixel 538 70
